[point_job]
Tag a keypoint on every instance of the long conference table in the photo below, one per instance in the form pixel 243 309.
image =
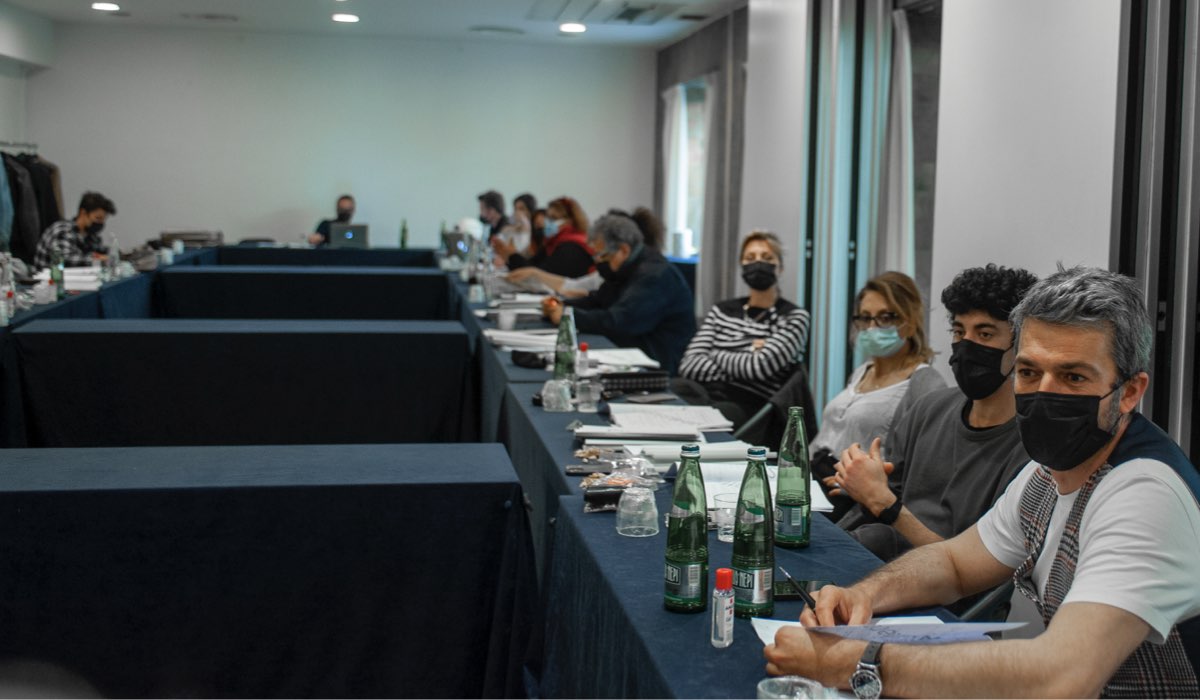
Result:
pixel 593 626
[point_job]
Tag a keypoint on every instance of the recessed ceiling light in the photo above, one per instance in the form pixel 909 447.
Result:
pixel 106 6
pixel 345 18
pixel 572 28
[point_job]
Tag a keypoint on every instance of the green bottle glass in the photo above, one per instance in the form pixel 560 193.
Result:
pixel 565 346
pixel 404 233
pixel 793 501
pixel 686 571
pixel 56 274
pixel 754 541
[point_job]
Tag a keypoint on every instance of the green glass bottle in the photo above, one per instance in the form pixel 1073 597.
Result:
pixel 686 571
pixel 565 346
pixel 403 233
pixel 754 541
pixel 56 274
pixel 793 501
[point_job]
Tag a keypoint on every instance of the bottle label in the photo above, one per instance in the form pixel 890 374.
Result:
pixel 790 520
pixel 685 582
pixel 752 586
pixel 751 515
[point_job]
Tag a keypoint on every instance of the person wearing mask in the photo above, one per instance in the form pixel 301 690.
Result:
pixel 576 287
pixel 955 451
pixel 518 233
pixel 345 213
pixel 889 331
pixel 491 212
pixel 77 241
pixel 564 250
pixel 747 347
pixel 1098 530
pixel 644 301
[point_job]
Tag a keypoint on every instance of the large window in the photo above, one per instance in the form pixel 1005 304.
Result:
pixel 688 121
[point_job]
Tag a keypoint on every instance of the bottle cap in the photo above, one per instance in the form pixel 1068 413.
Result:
pixel 756 453
pixel 689 450
pixel 724 579
pixel 583 347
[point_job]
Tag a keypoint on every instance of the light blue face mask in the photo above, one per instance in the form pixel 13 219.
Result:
pixel 550 229
pixel 879 342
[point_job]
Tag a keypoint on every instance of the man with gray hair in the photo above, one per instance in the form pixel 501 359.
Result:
pixel 1099 530
pixel 644 301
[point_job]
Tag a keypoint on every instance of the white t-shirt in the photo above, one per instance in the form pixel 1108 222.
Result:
pixel 1139 543
pixel 859 416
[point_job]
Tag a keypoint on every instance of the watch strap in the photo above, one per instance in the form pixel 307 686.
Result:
pixel 871 654
pixel 888 515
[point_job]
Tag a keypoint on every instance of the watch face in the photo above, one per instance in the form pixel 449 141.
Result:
pixel 866 684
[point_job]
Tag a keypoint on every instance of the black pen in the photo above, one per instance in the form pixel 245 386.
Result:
pixel 808 600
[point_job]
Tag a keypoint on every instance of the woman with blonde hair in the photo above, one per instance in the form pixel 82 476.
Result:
pixel 889 332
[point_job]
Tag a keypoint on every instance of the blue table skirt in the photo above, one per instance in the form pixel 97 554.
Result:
pixel 607 634
pixel 205 382
pixel 384 257
pixel 276 571
pixel 295 292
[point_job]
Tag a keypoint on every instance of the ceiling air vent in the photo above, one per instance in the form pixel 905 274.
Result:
pixel 209 17
pixel 636 13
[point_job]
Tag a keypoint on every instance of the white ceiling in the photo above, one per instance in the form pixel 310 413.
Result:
pixel 428 19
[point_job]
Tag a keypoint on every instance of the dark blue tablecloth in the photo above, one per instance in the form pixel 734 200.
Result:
pixel 283 292
pixel 607 634
pixel 205 382
pixel 128 298
pixel 293 571
pixel 384 257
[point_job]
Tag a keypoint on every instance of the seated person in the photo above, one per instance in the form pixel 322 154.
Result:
pixel 491 212
pixel 519 230
pixel 564 249
pixel 889 330
pixel 652 234
pixel 1099 530
pixel 345 212
pixel 644 301
pixel 747 347
pixel 77 241
pixel 956 449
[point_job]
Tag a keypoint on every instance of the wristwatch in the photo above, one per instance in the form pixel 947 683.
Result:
pixel 888 515
pixel 866 681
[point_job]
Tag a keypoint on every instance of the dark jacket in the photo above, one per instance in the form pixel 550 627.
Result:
pixel 647 305
pixel 27 223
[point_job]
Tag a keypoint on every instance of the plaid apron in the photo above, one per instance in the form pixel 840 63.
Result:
pixel 1152 670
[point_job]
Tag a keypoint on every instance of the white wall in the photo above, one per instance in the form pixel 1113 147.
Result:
pixel 773 173
pixel 12 100
pixel 257 134
pixel 1026 138
pixel 25 37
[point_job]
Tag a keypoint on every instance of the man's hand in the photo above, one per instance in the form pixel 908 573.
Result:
pixel 822 657
pixel 552 309
pixel 863 477
pixel 837 606
pixel 521 274
pixel 502 247
pixel 315 239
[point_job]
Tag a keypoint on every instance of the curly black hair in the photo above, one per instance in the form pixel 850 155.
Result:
pixel 996 290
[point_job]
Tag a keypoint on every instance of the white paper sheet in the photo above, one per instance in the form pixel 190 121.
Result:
pixel 656 432
pixel 701 417
pixel 622 357
pixel 713 451
pixel 895 630
pixel 726 477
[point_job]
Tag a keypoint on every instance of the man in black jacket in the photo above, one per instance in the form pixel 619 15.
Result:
pixel 644 301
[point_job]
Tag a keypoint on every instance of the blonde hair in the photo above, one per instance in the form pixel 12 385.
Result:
pixel 901 295
pixel 767 237
pixel 572 210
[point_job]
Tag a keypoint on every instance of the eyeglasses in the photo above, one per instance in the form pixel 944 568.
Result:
pixel 886 319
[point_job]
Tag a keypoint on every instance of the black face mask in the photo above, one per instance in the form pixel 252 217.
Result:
pixel 1061 431
pixel 343 215
pixel 759 275
pixel 94 229
pixel 977 368
pixel 606 271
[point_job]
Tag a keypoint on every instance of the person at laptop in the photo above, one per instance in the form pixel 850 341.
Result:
pixel 77 241
pixel 345 212
pixel 491 212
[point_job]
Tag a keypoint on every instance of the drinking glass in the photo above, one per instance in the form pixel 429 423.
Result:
pixel 724 510
pixel 637 514
pixel 556 396
pixel 790 687
pixel 587 395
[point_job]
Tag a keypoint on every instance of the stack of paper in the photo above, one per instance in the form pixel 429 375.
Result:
pixel 713 451
pixel 898 630
pixel 539 340
pixel 699 417
pixel 726 477
pixel 661 431
pixel 76 279
pixel 621 357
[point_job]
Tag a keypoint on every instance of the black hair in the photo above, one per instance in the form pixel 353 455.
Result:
pixel 493 199
pixel 995 290
pixel 91 201
pixel 346 196
pixel 528 200
pixel 647 222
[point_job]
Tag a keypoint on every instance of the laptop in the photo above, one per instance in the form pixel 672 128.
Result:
pixel 457 244
pixel 348 236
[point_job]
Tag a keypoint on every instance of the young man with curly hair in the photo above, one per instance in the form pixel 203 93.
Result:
pixel 954 452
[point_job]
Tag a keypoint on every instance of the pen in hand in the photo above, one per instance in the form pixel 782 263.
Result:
pixel 804 596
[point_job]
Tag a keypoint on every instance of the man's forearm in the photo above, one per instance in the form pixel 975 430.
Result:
pixel 922 577
pixel 914 530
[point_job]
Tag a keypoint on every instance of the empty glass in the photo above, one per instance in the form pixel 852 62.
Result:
pixel 791 687
pixel 506 319
pixel 587 395
pixel 724 508
pixel 556 395
pixel 637 514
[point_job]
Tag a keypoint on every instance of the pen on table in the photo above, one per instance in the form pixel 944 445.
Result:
pixel 808 600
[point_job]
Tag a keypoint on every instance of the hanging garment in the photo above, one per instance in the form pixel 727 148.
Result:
pixel 27 226
pixel 6 210
pixel 43 189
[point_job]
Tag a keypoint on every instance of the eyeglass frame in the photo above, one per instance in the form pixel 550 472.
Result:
pixel 863 322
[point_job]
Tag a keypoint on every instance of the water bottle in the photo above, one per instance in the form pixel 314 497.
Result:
pixel 564 346
pixel 793 502
pixel 686 570
pixel 754 541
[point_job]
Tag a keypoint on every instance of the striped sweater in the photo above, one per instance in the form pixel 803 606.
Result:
pixel 722 350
